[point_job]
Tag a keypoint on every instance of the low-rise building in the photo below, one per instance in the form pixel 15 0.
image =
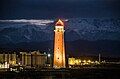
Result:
pixel 33 59
pixel 9 58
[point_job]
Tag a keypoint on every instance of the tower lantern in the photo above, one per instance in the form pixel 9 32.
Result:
pixel 59 23
pixel 59 48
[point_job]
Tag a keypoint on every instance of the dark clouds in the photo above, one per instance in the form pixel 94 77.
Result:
pixel 12 9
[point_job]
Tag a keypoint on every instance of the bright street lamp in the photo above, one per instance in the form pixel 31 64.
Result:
pixel 49 55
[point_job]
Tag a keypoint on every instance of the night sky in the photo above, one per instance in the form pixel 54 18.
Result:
pixel 66 9
pixel 37 9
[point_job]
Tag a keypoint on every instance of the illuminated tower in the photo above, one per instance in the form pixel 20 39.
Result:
pixel 59 49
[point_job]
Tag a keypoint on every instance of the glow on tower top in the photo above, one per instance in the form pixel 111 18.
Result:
pixel 59 23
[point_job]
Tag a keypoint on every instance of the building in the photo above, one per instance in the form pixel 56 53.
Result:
pixel 23 58
pixel 13 59
pixel 38 59
pixel 33 59
pixel 71 61
pixel 75 62
pixel 1 58
pixel 59 48
pixel 9 58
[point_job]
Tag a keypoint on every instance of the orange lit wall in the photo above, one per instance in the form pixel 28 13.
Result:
pixel 59 49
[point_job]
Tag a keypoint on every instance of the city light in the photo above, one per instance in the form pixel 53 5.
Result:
pixel 89 61
pixel 80 62
pixel 49 55
pixel 5 65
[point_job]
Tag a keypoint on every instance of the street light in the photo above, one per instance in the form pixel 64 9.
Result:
pixel 49 55
pixel 49 59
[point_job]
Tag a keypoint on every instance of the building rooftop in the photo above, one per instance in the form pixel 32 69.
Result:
pixel 59 23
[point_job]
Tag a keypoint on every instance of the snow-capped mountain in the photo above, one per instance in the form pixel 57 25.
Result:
pixel 95 29
pixel 17 31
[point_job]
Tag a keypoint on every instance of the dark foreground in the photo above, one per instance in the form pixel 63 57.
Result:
pixel 81 73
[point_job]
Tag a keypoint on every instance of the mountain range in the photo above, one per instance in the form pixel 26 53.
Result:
pixel 82 35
